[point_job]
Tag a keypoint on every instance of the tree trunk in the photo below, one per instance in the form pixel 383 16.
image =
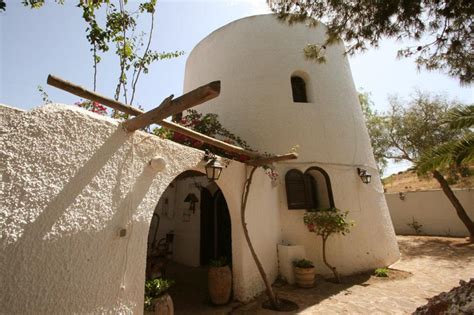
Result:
pixel 455 202
pixel 245 194
pixel 333 269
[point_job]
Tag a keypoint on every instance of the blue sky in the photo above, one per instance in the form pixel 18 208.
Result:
pixel 35 43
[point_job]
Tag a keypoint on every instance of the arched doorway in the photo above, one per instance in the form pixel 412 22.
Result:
pixel 190 225
pixel 216 238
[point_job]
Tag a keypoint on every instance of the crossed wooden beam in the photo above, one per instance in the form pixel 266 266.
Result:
pixel 169 107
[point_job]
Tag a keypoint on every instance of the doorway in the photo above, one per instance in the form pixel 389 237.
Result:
pixel 216 232
pixel 191 225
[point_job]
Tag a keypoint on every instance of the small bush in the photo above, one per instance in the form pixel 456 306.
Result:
pixel 381 272
pixel 221 262
pixel 303 263
pixel 156 287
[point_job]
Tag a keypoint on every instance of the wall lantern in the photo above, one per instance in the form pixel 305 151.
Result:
pixel 192 199
pixel 364 175
pixel 213 166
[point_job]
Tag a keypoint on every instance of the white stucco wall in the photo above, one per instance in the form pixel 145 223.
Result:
pixel 254 58
pixel 71 180
pixel 432 209
pixel 186 242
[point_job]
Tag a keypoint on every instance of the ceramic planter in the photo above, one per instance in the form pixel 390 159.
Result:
pixel 164 305
pixel 220 284
pixel 305 277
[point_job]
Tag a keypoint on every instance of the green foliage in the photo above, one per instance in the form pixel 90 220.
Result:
pixel 456 153
pixel 374 122
pixel 155 288
pixel 461 117
pixel 409 129
pixel 381 272
pixel 325 222
pixel 44 95
pixel 416 226
pixel 220 262
pixel 442 29
pixel 303 263
pixel 209 125
pixel 148 303
pixel 119 30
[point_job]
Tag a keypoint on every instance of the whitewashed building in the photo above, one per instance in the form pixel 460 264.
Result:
pixel 79 193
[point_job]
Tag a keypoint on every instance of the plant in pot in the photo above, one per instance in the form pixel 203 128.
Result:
pixel 326 222
pixel 304 273
pixel 219 281
pixel 157 300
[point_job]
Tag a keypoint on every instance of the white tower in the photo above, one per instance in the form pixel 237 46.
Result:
pixel 273 98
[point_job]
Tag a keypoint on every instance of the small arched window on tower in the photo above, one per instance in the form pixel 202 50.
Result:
pixel 298 87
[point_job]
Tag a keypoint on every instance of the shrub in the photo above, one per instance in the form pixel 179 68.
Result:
pixel 381 272
pixel 303 263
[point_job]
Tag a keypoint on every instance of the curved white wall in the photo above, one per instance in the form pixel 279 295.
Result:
pixel 70 181
pixel 254 58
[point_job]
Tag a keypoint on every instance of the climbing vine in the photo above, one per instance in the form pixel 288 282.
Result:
pixel 119 30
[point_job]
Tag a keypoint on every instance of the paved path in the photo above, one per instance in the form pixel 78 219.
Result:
pixel 428 266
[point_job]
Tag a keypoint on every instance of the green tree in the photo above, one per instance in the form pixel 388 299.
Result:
pixel 119 30
pixel 452 154
pixel 327 222
pixel 374 122
pixel 410 132
pixel 442 30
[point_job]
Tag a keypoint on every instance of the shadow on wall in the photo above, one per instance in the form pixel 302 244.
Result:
pixel 81 271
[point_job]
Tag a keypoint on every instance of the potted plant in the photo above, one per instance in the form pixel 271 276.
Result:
pixel 219 281
pixel 304 273
pixel 326 222
pixel 157 299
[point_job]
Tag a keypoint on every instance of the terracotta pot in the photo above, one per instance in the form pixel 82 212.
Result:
pixel 220 284
pixel 305 277
pixel 164 305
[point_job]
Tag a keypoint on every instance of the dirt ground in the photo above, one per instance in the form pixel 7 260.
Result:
pixel 428 266
pixel 409 181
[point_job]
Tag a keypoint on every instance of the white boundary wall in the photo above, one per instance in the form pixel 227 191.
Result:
pixel 432 209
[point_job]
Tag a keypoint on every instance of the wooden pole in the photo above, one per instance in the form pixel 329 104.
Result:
pixel 82 92
pixel 167 108
pixel 209 140
pixel 147 118
pixel 272 159
pixel 171 107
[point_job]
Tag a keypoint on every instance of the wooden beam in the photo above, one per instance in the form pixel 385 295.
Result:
pixel 167 108
pixel 82 92
pixel 206 139
pixel 272 159
pixel 147 118
pixel 171 107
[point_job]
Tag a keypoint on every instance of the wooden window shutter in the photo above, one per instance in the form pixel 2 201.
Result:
pixel 295 190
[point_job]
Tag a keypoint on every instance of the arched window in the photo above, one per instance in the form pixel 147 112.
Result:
pixel 323 189
pixel 309 190
pixel 300 190
pixel 298 87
